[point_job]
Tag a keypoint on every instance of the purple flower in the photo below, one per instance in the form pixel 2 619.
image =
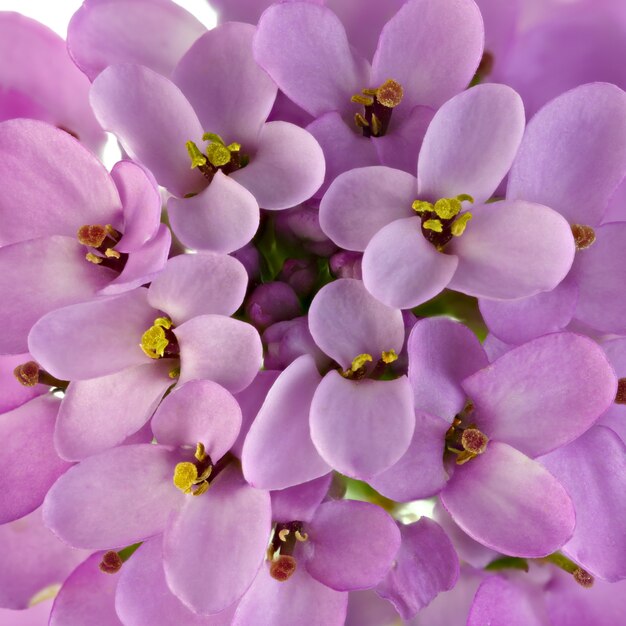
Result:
pixel 501 250
pixel 205 138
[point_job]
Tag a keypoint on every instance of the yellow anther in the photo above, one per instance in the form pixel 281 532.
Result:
pixel 282 535
pixel 369 92
pixel 447 208
pixel 390 93
pixel 360 121
pixel 92 258
pixel 234 147
pixel 174 372
pixel 197 158
pixel 434 225
pixel 202 487
pixel 154 342
pixel 376 126
pixel 465 197
pixel 214 137
pixel 164 322
pixel 421 206
pixel 389 357
pixel 218 154
pixel 185 475
pixel 359 361
pixel 301 536
pixel 366 101
pixel 459 225
pixel 205 475
pixel 112 254
pixel 200 453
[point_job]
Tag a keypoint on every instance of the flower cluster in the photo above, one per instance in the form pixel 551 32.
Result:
pixel 340 340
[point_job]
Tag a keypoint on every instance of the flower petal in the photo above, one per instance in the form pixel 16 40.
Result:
pixel 471 143
pixel 301 501
pixel 510 503
pixel 544 394
pixel 361 428
pixel 15 395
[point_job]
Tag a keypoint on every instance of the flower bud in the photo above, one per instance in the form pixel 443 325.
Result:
pixel 300 274
pixel 272 302
pixel 346 264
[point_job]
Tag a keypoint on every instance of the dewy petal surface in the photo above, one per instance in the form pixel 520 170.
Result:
pixel 221 349
pixel 195 284
pixel 573 155
pixel 435 367
pixel 338 532
pixel 51 184
pixel 512 249
pixel 213 549
pixel 153 120
pixel 114 498
pixel 105 336
pixel 346 321
pixel 234 108
pixel 222 218
pixel 304 48
pixel 360 202
pixel 510 503
pixel 402 269
pixel 471 143
pixel 360 428
pixel 432 49
pixel 544 393
pixel 286 169
pixel 592 469
pixel 282 426
pixel 148 32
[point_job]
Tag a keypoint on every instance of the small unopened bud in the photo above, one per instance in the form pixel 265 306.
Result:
pixel 27 374
pixel 584 236
pixel 346 264
pixel 111 562
pixel 300 275
pixel 272 302
pixel 282 568
pixel 474 441
pixel 620 396
pixel 92 235
pixel 583 578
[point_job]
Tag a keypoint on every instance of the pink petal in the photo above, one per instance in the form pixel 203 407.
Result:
pixel 14 394
pixel 300 501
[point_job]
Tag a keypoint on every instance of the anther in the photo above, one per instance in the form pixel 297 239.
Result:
pixel 390 93
pixel 583 578
pixel 434 225
pixel 366 101
pixel 282 568
pixel 185 475
pixel 584 236
pixel 92 235
pixel 359 361
pixel 282 534
pixel 458 226
pixel 620 396
pixel 474 441
pixel 197 158
pixel 27 374
pixel 112 253
pixel 389 356
pixel 360 121
pixel 200 453
pixel 111 562
pixel 376 125
pixel 301 536
pixel 92 258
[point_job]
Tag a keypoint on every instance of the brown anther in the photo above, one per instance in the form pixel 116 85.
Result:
pixel 620 396
pixel 282 535
pixel 390 93
pixel 584 236
pixel 92 235
pixel 473 441
pixel 112 253
pixel 360 121
pixel 583 578
pixel 27 374
pixel 282 568
pixel 92 258
pixel 111 562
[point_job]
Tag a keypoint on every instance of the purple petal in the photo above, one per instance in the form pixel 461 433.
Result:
pixel 87 592
pixel 213 549
pixel 420 472
pixel 198 411
pixel 194 284
pixel 367 608
pixel 302 39
pixel 435 369
pixel 518 321
pixel 233 108
pixel 144 599
pixel 222 218
pixel 402 269
pixel 224 350
pixel 299 601
pixel 512 249
pixel 280 178
pixel 32 559
pixel 153 120
pixel 107 32
pixel 29 463
pixel 510 503
pixel 361 428
pixel 114 498
pixel 101 413
pixel 471 143
pixel 543 394
pixel 346 321
pixel 338 532
pixel 362 201
pixel 282 426
pixel 301 501
pixel 588 124
pixel 45 196
pixel 14 394
pixel 615 416
pixel 108 328
pixel 425 566
pixel 592 469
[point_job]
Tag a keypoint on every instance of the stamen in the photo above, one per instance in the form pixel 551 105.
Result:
pixel 366 101
pixel 185 475
pixel 620 396
pixel 584 236
pixel 111 253
pixel 200 451
pixel 92 258
pixel 458 226
pixel 389 357
pixel 174 372
pixel 282 568
pixel 421 206
pixel 282 534
pixel 359 361
pixel 474 441
pixel 583 578
pixel 197 158
pixel 218 154
pixel 111 562
pixel 27 374
pixel 155 340
pixel 301 536
pixel 92 235
pixel 360 121
pixel 434 225
pixel 390 93
pixel 447 208
pixel 376 125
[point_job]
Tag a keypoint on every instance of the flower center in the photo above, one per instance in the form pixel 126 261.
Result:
pixel 217 156
pixel 363 366
pixel 193 477
pixel 584 236
pixel 378 105
pixel 466 442
pixel 102 241
pixel 280 552
pixel 443 220
pixel 159 341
